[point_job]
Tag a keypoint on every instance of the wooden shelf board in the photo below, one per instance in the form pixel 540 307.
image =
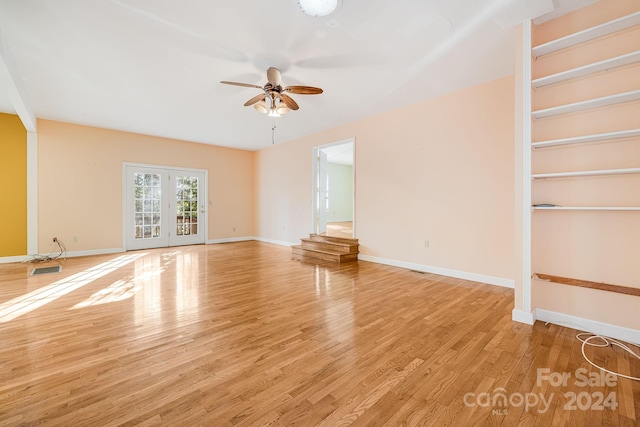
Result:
pixel 627 290
pixel 586 208
pixel 585 173
pixel 609 136
pixel 608 64
pixel 618 98
pixel 609 27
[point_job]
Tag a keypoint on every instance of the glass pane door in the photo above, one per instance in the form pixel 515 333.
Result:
pixel 189 205
pixel 164 207
pixel 147 205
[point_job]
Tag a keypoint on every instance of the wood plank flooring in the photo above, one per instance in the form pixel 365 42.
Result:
pixel 239 334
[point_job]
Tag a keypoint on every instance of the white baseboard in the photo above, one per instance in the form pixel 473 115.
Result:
pixel 106 251
pixel 497 281
pixel 339 220
pixel 230 240
pixel 72 254
pixel 275 242
pixel 10 259
pixel 522 316
pixel 250 238
pixel 605 329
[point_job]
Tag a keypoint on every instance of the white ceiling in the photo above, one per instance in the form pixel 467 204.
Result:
pixel 154 66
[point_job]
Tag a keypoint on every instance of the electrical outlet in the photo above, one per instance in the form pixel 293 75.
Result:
pixel 426 243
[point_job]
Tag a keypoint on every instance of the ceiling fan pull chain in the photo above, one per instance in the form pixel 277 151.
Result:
pixel 273 131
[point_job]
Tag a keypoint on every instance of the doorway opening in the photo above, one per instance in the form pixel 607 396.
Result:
pixel 334 189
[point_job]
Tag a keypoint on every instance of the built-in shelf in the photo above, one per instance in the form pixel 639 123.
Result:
pixel 589 104
pixel 586 35
pixel 585 173
pixel 609 136
pixel 586 208
pixel 596 67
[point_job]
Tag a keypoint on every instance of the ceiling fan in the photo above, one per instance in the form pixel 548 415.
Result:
pixel 275 101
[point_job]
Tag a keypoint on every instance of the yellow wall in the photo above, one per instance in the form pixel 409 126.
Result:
pixel 13 186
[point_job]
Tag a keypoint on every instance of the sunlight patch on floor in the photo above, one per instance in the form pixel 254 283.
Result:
pixel 24 304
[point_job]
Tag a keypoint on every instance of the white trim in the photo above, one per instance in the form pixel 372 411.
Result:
pixel 526 167
pixel 523 316
pixel 10 259
pixel 26 258
pixel 605 329
pixel 275 242
pixel 230 240
pixel 351 140
pixel 339 220
pixel 90 252
pixel 490 280
pixel 146 165
pixel 32 193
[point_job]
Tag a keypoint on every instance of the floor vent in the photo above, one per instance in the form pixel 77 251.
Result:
pixel 46 270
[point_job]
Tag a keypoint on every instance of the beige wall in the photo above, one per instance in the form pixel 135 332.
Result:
pixel 587 245
pixel 80 183
pixel 441 170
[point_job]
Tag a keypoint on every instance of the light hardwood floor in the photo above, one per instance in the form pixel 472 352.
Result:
pixel 340 229
pixel 239 334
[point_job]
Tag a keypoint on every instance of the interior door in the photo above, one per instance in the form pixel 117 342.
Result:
pixel 321 197
pixel 164 207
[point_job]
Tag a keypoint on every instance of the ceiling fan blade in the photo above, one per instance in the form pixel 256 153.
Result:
pixel 274 77
pixel 303 90
pixel 289 102
pixel 241 84
pixel 255 99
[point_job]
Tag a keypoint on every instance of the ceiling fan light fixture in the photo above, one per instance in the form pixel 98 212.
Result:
pixel 318 8
pixel 282 109
pixel 261 106
pixel 273 112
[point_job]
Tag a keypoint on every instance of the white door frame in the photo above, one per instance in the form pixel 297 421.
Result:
pixel 203 218
pixel 314 183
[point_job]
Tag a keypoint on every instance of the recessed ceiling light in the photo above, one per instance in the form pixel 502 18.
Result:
pixel 318 8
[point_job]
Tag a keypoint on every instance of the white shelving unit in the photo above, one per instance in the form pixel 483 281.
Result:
pixel 585 173
pixel 606 65
pixel 632 94
pixel 587 35
pixel 600 137
pixel 605 101
pixel 586 208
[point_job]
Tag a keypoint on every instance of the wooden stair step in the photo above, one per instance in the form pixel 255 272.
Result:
pixel 346 248
pixel 323 238
pixel 300 252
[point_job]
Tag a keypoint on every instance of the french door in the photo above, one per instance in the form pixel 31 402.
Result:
pixel 164 207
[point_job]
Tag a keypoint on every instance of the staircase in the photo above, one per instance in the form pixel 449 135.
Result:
pixel 326 248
